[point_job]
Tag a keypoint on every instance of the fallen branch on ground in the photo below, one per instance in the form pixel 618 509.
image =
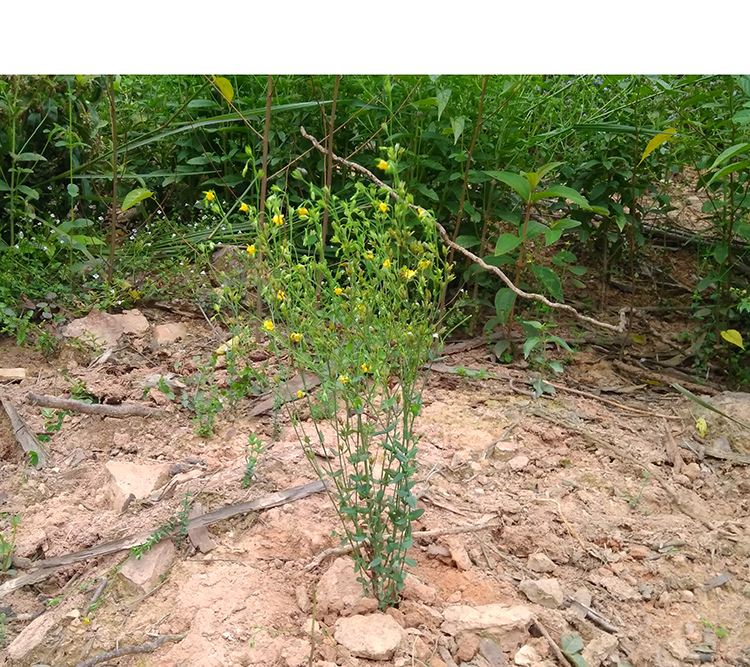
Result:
pixel 129 650
pixel 126 410
pixel 619 328
pixel 23 434
pixel 346 548
pixel 51 565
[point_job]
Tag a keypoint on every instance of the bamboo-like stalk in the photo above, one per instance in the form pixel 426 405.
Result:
pixel 113 223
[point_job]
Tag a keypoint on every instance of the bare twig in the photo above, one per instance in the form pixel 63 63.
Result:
pixel 23 434
pixel 345 549
pixel 555 648
pixel 125 410
pixel 51 565
pixel 130 650
pixel 619 328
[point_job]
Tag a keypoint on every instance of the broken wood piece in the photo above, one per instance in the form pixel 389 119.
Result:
pixel 23 434
pixel 12 374
pixel 130 650
pixel 200 537
pixel 51 565
pixel 124 410
pixel 286 392
pixel 662 378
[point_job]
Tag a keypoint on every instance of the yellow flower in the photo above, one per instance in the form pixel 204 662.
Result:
pixel 338 291
pixel 296 337
pixel 302 210
pixel 362 308
pixel 210 196
pixel 268 325
pixel 243 208
pixel 408 273
pixel 281 295
pixel 278 220
pixel 383 207
pixel 369 255
pixel 383 165
pixel 343 379
pixel 425 263
pixel 387 264
pixel 366 368
pixel 301 394
pixel 251 250
pixel 421 212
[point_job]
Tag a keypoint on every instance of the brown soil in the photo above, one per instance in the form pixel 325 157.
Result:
pixel 592 510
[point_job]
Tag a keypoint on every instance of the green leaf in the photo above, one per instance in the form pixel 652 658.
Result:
pixel 504 300
pixel 534 229
pixel 571 642
pixel 657 141
pixel 556 366
pixel 729 152
pixel 72 189
pixel 427 192
pixel 4 187
pixel 742 117
pixel 734 337
pixel 200 159
pixel 225 88
pixel 501 347
pixel 549 279
pixel 467 241
pixel 458 127
pixel 442 100
pixel 564 223
pixel 135 196
pixel 515 181
pixel 552 235
pixel 29 192
pixel 548 168
pixel 559 341
pixel 577 270
pixel 529 345
pixel 721 252
pixel 29 157
pixel 737 166
pixel 506 243
pixel 563 191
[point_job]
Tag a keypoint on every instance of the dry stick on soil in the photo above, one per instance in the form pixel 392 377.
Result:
pixel 619 328
pixel 23 434
pixel 662 377
pixel 51 565
pixel 126 410
pixel 130 650
pixel 572 530
pixel 555 648
pixel 602 441
pixel 336 551
pixel 615 404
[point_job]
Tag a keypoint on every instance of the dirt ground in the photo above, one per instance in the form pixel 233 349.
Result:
pixel 624 503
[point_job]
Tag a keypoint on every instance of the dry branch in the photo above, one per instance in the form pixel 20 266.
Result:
pixel 130 650
pixel 126 410
pixel 346 548
pixel 23 434
pixel 51 565
pixel 619 328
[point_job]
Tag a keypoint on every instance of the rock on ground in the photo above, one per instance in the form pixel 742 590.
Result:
pixel 338 590
pixel 546 592
pixel 141 480
pixel 145 573
pixel 375 636
pixel 509 625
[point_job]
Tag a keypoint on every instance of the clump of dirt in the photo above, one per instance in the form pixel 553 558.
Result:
pixel 603 506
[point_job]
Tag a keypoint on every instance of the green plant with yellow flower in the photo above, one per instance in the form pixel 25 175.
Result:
pixel 365 321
